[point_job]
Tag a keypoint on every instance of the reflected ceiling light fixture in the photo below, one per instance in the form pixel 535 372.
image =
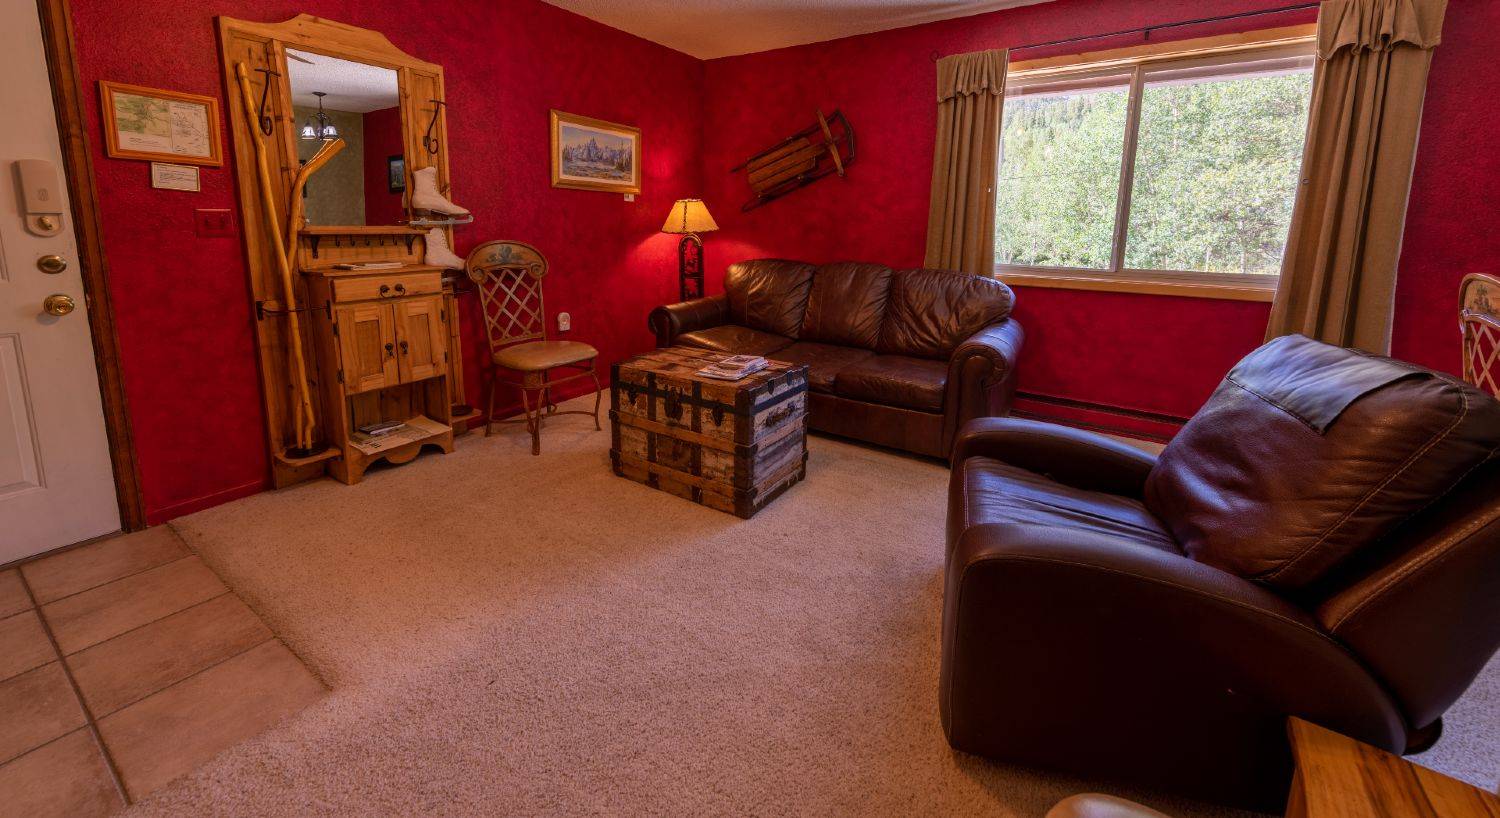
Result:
pixel 324 130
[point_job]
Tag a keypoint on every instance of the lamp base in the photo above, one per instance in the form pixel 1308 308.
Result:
pixel 690 267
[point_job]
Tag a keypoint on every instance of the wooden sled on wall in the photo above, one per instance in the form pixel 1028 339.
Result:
pixel 799 160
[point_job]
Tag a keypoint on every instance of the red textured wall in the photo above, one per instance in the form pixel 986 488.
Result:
pixel 1453 215
pixel 182 303
pixel 183 306
pixel 383 140
pixel 1148 353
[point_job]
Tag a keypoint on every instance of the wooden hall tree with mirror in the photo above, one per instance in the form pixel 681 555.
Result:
pixel 380 344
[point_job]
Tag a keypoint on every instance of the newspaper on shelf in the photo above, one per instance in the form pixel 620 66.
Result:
pixel 414 429
pixel 734 367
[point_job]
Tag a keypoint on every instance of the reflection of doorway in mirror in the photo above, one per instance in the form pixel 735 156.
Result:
pixel 336 193
pixel 362 104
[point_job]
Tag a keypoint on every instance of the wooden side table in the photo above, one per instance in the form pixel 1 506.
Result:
pixel 1338 777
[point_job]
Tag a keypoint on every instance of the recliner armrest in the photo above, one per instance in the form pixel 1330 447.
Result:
pixel 1080 649
pixel 672 320
pixel 1070 456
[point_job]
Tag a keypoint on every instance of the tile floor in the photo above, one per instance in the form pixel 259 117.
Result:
pixel 124 664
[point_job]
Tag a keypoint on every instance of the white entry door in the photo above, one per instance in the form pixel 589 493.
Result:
pixel 56 483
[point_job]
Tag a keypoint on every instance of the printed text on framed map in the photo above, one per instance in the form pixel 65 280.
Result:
pixel 161 126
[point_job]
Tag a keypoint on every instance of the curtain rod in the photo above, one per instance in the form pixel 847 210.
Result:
pixel 1146 30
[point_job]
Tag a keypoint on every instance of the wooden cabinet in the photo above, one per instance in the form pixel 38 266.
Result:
pixel 367 347
pixel 381 345
pixel 421 338
pixel 381 339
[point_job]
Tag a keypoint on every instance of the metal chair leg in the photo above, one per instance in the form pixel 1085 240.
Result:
pixel 533 422
pixel 598 395
pixel 489 403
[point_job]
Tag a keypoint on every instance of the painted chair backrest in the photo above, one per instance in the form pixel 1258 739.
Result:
pixel 1479 319
pixel 508 276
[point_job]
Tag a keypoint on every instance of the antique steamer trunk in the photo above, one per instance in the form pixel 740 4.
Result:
pixel 729 445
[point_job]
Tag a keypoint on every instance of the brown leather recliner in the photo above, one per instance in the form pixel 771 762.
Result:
pixel 899 358
pixel 1322 540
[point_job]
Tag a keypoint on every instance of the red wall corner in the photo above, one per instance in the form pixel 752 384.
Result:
pixel 182 303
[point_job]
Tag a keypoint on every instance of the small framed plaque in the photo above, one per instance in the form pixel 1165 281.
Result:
pixel 168 176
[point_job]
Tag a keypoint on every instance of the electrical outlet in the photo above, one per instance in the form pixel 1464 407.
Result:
pixel 630 197
pixel 564 322
pixel 214 224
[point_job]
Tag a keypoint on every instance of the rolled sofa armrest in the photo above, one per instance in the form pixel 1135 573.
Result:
pixel 981 377
pixel 672 320
pixel 998 345
pixel 1073 457
pixel 1088 651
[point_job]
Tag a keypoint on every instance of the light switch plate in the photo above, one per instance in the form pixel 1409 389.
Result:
pixel 564 322
pixel 213 223
pixel 630 197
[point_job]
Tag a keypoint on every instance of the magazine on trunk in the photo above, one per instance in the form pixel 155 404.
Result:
pixel 734 367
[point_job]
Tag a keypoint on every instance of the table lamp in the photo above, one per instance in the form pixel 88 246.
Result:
pixel 689 217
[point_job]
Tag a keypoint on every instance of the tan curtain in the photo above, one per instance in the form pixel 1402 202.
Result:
pixel 1338 276
pixel 961 218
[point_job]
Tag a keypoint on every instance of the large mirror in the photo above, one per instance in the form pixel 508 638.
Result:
pixel 360 103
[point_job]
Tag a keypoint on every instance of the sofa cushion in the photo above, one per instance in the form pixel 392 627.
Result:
pixel 768 294
pixel 930 312
pixel 995 492
pixel 895 380
pixel 735 339
pixel 847 304
pixel 824 361
pixel 1308 453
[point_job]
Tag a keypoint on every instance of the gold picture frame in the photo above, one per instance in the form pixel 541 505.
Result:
pixel 157 125
pixel 592 154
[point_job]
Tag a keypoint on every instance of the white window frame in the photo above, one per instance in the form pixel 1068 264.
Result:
pixel 1140 70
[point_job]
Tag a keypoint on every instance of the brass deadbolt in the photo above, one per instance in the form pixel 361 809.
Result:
pixel 59 304
pixel 53 264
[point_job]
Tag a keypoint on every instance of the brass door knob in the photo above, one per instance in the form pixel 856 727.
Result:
pixel 53 264
pixel 59 304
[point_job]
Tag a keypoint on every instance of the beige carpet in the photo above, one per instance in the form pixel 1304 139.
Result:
pixel 506 634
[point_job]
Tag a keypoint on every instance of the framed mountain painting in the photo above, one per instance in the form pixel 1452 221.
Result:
pixel 591 154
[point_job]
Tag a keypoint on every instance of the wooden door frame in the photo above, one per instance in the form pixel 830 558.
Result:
pixel 78 166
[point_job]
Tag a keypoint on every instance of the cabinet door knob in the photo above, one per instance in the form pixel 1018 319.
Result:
pixel 401 289
pixel 403 348
pixel 384 289
pixel 390 350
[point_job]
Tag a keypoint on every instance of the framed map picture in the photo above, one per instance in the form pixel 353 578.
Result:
pixel 159 126
pixel 591 154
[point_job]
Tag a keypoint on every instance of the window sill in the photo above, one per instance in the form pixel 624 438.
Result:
pixel 1060 280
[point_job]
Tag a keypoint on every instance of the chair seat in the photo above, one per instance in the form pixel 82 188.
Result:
pixel 896 380
pixel 995 492
pixel 735 339
pixel 824 361
pixel 534 356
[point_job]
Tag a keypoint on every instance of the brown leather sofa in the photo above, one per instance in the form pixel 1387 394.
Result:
pixel 902 358
pixel 1322 540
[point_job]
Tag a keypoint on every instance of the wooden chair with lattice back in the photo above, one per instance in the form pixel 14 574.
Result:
pixel 1479 319
pixel 508 276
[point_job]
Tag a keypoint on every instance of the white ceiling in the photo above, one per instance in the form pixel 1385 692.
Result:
pixel 351 86
pixel 720 28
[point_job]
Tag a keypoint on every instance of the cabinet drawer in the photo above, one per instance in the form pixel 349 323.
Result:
pixel 364 288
